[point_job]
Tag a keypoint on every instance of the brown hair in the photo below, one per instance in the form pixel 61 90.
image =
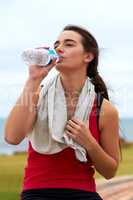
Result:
pixel 90 45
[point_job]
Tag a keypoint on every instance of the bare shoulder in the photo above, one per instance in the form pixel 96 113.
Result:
pixel 108 114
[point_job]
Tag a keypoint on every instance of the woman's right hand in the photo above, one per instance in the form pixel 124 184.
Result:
pixel 37 72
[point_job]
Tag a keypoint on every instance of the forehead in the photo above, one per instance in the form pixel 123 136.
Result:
pixel 69 35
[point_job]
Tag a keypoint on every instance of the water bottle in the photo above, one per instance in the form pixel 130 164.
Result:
pixel 39 56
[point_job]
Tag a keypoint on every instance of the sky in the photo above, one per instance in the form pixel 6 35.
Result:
pixel 31 23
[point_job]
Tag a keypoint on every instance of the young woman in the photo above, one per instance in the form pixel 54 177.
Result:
pixel 72 127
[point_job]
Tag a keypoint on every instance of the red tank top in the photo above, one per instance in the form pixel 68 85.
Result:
pixel 61 170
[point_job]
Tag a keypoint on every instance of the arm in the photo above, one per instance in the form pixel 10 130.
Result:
pixel 109 126
pixel 105 156
pixel 23 115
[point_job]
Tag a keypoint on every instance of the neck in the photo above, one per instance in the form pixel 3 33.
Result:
pixel 73 82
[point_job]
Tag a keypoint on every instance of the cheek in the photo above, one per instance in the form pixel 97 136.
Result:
pixel 77 58
pixel 76 55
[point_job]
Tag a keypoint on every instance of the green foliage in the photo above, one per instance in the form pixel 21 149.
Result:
pixel 11 173
pixel 126 164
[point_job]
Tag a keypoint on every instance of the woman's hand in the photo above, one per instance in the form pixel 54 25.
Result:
pixel 37 72
pixel 79 132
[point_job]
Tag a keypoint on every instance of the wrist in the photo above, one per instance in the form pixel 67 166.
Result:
pixel 30 95
pixel 32 85
pixel 91 144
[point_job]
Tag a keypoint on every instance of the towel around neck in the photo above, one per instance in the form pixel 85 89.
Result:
pixel 48 135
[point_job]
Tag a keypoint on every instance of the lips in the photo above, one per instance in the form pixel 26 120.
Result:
pixel 60 59
pixel 60 56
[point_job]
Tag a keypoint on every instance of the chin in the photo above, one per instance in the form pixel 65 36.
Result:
pixel 61 67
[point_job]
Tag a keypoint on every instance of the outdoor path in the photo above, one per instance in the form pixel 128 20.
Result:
pixel 119 188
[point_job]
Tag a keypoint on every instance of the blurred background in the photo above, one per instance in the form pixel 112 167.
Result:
pixel 32 23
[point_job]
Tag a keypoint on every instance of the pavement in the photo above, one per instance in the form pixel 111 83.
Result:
pixel 119 188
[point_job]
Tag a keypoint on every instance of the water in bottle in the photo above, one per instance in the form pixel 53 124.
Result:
pixel 39 56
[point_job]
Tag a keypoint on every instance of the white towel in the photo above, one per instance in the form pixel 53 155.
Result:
pixel 48 135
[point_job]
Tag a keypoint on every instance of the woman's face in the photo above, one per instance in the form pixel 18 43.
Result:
pixel 69 47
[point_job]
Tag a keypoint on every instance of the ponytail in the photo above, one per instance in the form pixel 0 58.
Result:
pixel 97 81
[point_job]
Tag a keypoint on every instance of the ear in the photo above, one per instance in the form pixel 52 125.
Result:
pixel 89 57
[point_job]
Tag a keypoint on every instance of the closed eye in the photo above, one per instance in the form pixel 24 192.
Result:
pixel 68 44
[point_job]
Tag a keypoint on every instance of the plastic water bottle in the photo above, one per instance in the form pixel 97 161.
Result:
pixel 39 56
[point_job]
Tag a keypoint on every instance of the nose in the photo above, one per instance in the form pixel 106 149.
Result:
pixel 59 49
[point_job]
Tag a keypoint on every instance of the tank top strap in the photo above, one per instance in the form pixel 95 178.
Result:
pixel 99 100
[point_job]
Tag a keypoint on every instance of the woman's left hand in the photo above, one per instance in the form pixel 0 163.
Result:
pixel 79 132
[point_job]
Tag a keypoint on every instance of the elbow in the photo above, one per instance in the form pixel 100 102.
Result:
pixel 12 141
pixel 11 138
pixel 111 173
pixel 110 176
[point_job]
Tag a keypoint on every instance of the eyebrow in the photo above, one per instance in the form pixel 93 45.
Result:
pixel 66 40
